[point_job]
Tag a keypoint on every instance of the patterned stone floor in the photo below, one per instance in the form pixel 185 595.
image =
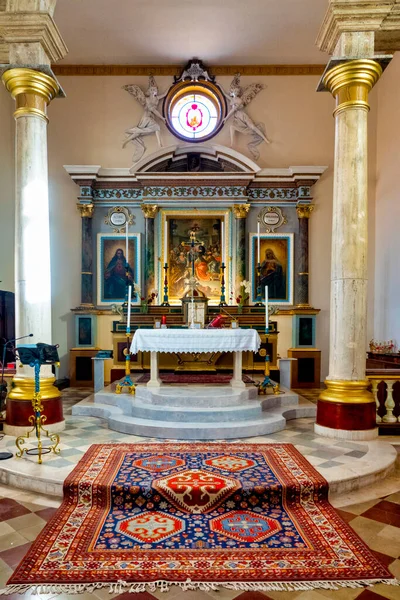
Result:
pixel 374 514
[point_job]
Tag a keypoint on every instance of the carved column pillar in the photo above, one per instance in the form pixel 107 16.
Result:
pixel 303 212
pixel 240 211
pixel 32 91
pixel 149 211
pixel 346 409
pixel 86 211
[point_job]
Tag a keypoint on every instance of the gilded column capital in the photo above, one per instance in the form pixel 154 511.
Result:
pixel 240 210
pixel 351 82
pixel 304 210
pixel 86 210
pixel 149 210
pixel 32 91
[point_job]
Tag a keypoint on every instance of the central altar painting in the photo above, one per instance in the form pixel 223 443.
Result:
pixel 203 260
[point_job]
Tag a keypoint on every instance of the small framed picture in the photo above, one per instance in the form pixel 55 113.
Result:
pixel 85 331
pixel 234 324
pixel 157 324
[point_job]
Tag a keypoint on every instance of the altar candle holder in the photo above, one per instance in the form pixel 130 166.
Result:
pixel 165 299
pixel 259 301
pixel 222 301
pixel 127 381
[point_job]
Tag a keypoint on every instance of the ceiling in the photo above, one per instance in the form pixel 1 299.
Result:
pixel 219 32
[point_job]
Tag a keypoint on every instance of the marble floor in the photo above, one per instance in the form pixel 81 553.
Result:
pixel 373 511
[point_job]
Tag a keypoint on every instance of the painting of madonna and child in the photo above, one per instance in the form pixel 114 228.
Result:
pixel 204 259
pixel 276 262
pixel 114 271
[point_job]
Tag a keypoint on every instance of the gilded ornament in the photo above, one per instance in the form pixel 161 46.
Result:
pixel 304 211
pixel 149 210
pixel 86 210
pixel 272 218
pixel 119 218
pixel 32 91
pixel 351 82
pixel 351 392
pixel 241 210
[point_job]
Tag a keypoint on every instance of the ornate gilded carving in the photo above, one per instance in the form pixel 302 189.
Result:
pixel 272 218
pixel 86 210
pixel 304 210
pixel 241 210
pixel 149 210
pixel 32 91
pixel 351 82
pixel 118 217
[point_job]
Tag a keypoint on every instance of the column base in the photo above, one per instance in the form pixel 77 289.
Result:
pixel 346 406
pixel 19 405
pixel 346 434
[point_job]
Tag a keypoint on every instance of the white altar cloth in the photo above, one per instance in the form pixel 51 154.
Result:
pixel 195 340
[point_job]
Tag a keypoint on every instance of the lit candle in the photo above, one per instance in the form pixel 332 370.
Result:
pixel 266 310
pixel 128 319
pixel 165 242
pixel 258 243
pixel 126 243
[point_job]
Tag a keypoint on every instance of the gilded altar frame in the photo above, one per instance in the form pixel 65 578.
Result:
pixel 199 215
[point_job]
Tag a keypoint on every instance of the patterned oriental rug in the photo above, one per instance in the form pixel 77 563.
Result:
pixel 239 516
pixel 193 378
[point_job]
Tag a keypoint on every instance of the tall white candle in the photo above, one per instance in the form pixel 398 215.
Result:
pixel 128 319
pixel 266 310
pixel 258 243
pixel 126 243
pixel 165 242
pixel 222 240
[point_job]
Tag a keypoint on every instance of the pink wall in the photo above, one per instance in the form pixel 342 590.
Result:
pixel 387 213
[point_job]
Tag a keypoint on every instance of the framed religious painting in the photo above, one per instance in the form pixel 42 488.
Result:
pixel 195 243
pixel 85 331
pixel 118 264
pixel 274 252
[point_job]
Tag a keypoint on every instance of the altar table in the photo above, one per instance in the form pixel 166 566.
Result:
pixel 195 340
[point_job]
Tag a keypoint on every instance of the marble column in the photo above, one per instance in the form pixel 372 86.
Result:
pixel 346 409
pixel 303 212
pixel 240 211
pixel 149 211
pixel 32 91
pixel 86 211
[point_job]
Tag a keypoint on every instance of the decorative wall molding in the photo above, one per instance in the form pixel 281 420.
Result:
pixel 195 191
pixel 175 70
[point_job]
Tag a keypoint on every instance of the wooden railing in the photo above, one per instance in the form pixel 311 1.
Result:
pixel 385 386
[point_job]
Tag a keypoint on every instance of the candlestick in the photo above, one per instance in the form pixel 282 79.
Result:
pixel 128 319
pixel 165 241
pixel 258 243
pixel 266 311
pixel 126 243
pixel 259 297
pixel 222 301
pixel 165 299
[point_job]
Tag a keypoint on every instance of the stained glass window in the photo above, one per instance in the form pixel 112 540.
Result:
pixel 194 111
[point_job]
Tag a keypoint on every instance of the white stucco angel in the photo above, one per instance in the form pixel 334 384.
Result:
pixel 147 124
pixel 238 99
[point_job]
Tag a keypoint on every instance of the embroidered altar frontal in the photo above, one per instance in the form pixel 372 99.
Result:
pixel 242 516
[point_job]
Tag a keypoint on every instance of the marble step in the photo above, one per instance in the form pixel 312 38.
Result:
pixel 195 413
pixel 266 423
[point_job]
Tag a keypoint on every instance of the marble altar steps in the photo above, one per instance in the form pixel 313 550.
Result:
pixel 206 412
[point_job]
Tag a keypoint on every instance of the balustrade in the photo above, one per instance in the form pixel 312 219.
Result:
pixel 385 386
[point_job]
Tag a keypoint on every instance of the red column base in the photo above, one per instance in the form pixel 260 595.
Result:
pixel 19 411
pixel 344 415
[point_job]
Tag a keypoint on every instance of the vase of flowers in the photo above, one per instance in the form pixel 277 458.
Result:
pixel 145 302
pixel 243 295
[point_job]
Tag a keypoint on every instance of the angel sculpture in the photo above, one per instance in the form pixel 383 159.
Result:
pixel 147 124
pixel 238 99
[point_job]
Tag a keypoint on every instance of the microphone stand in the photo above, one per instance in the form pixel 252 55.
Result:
pixel 3 387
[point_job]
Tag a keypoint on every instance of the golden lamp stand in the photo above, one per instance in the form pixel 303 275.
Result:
pixel 127 381
pixel 37 420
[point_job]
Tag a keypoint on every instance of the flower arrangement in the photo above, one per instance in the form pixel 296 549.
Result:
pixel 145 302
pixel 388 347
pixel 243 295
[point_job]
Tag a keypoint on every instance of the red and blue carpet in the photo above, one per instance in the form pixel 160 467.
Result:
pixel 240 516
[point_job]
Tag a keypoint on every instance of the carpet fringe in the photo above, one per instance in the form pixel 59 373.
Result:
pixel 163 586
